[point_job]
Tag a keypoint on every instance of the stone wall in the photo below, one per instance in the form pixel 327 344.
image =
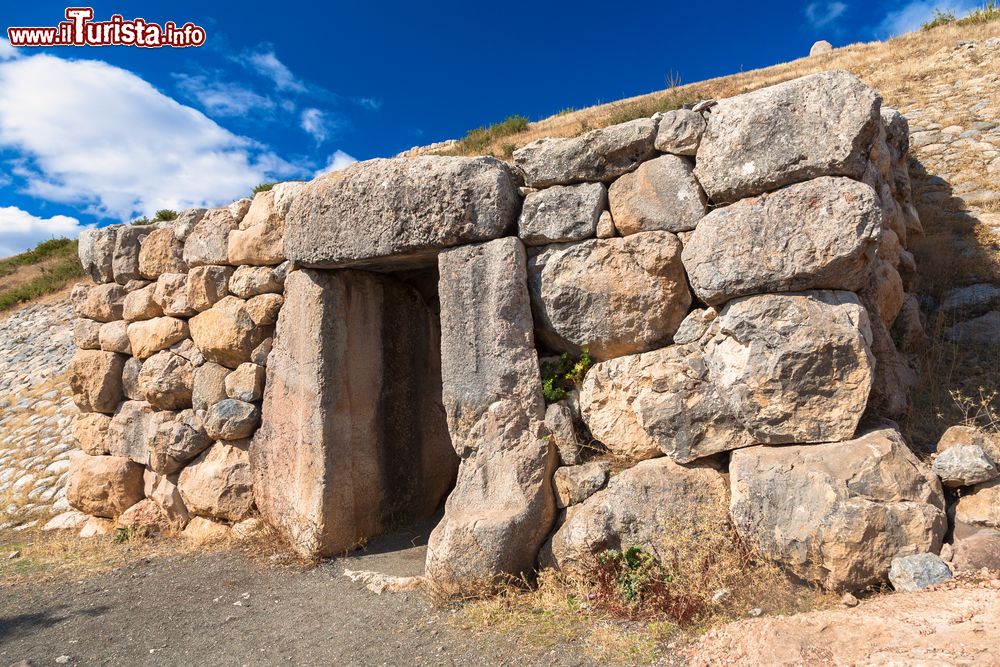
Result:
pixel 735 269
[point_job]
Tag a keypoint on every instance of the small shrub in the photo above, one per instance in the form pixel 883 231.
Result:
pixel 142 221
pixel 988 12
pixel 481 138
pixel 939 18
pixel 567 110
pixel 262 187
pixel 634 584
pixel 649 105
pixel 564 374
pixel 165 215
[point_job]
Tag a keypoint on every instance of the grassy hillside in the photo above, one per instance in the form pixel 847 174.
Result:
pixel 46 269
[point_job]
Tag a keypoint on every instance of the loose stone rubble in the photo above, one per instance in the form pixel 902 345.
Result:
pixel 341 355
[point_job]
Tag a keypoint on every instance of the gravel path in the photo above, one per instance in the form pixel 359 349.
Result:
pixel 36 411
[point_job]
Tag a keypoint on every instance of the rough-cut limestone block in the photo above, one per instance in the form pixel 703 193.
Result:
pixel 821 234
pixel 980 505
pixel 103 486
pixel 86 334
pixel 562 213
pixel 141 304
pixel 219 484
pixel 353 435
pixel 101 303
pixel 207 285
pixel 208 242
pixel 658 403
pixel 226 333
pixel 209 385
pixel 251 281
pixel 185 222
pixel 246 383
pixel 606 226
pixel 574 484
pixel 796 367
pixel 647 505
pixel 166 381
pixel 599 155
pixel 259 240
pixel 128 242
pixel 559 422
pixel 113 337
pixel 893 376
pixel 172 443
pixel 131 429
pixel 400 212
pixel 151 336
pixel 91 432
pixel 161 253
pixel 970 435
pixel 231 419
pixel 662 195
pixel 188 350
pixel 964 465
pixel 911 573
pixel 130 379
pixel 680 132
pixel 818 125
pixel 145 518
pixel 502 506
pixel 97 250
pixel 979 550
pixel 171 294
pixel 95 378
pixel 264 309
pixel 612 296
pixel 204 531
pixel 162 490
pixel 836 514
pixel 239 208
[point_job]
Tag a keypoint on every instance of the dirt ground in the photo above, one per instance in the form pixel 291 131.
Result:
pixel 227 609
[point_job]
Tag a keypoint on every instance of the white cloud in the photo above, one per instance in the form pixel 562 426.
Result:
pixel 101 137
pixel 7 52
pixel 914 14
pixel 369 103
pixel 314 123
pixel 266 63
pixel 821 14
pixel 339 160
pixel 20 230
pixel 222 98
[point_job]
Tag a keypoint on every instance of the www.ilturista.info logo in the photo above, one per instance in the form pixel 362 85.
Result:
pixel 79 29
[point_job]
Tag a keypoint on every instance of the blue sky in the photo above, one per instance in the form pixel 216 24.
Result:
pixel 92 136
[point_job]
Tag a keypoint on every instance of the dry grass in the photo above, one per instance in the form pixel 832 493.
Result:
pixel 897 68
pixel 583 609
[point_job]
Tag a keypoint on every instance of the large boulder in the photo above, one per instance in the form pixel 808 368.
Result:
pixel 662 195
pixel 230 419
pixel 259 240
pixel 796 367
pixel 562 213
pixel 250 281
pixel 836 514
pixel 652 505
pixel 680 131
pixel 208 241
pixel 980 505
pixel 400 212
pixel 95 378
pixel 502 506
pixel 207 285
pixel 911 573
pixel 151 336
pixel 90 429
pixel 964 465
pixel 86 334
pixel 226 333
pixel 819 125
pixel 161 252
pixel 162 490
pixel 574 484
pixel 172 443
pixel 171 295
pixel 166 381
pixel 611 296
pixel 131 429
pixel 209 385
pixel 660 403
pixel 218 484
pixel 353 436
pixel 96 250
pixel 113 337
pixel 141 304
pixel 103 486
pixel 128 242
pixel 599 155
pixel 101 303
pixel 821 234
pixel 145 518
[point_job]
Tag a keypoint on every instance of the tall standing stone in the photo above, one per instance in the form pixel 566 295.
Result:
pixel 503 505
pixel 353 436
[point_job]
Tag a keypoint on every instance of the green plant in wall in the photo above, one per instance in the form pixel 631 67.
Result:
pixel 564 374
